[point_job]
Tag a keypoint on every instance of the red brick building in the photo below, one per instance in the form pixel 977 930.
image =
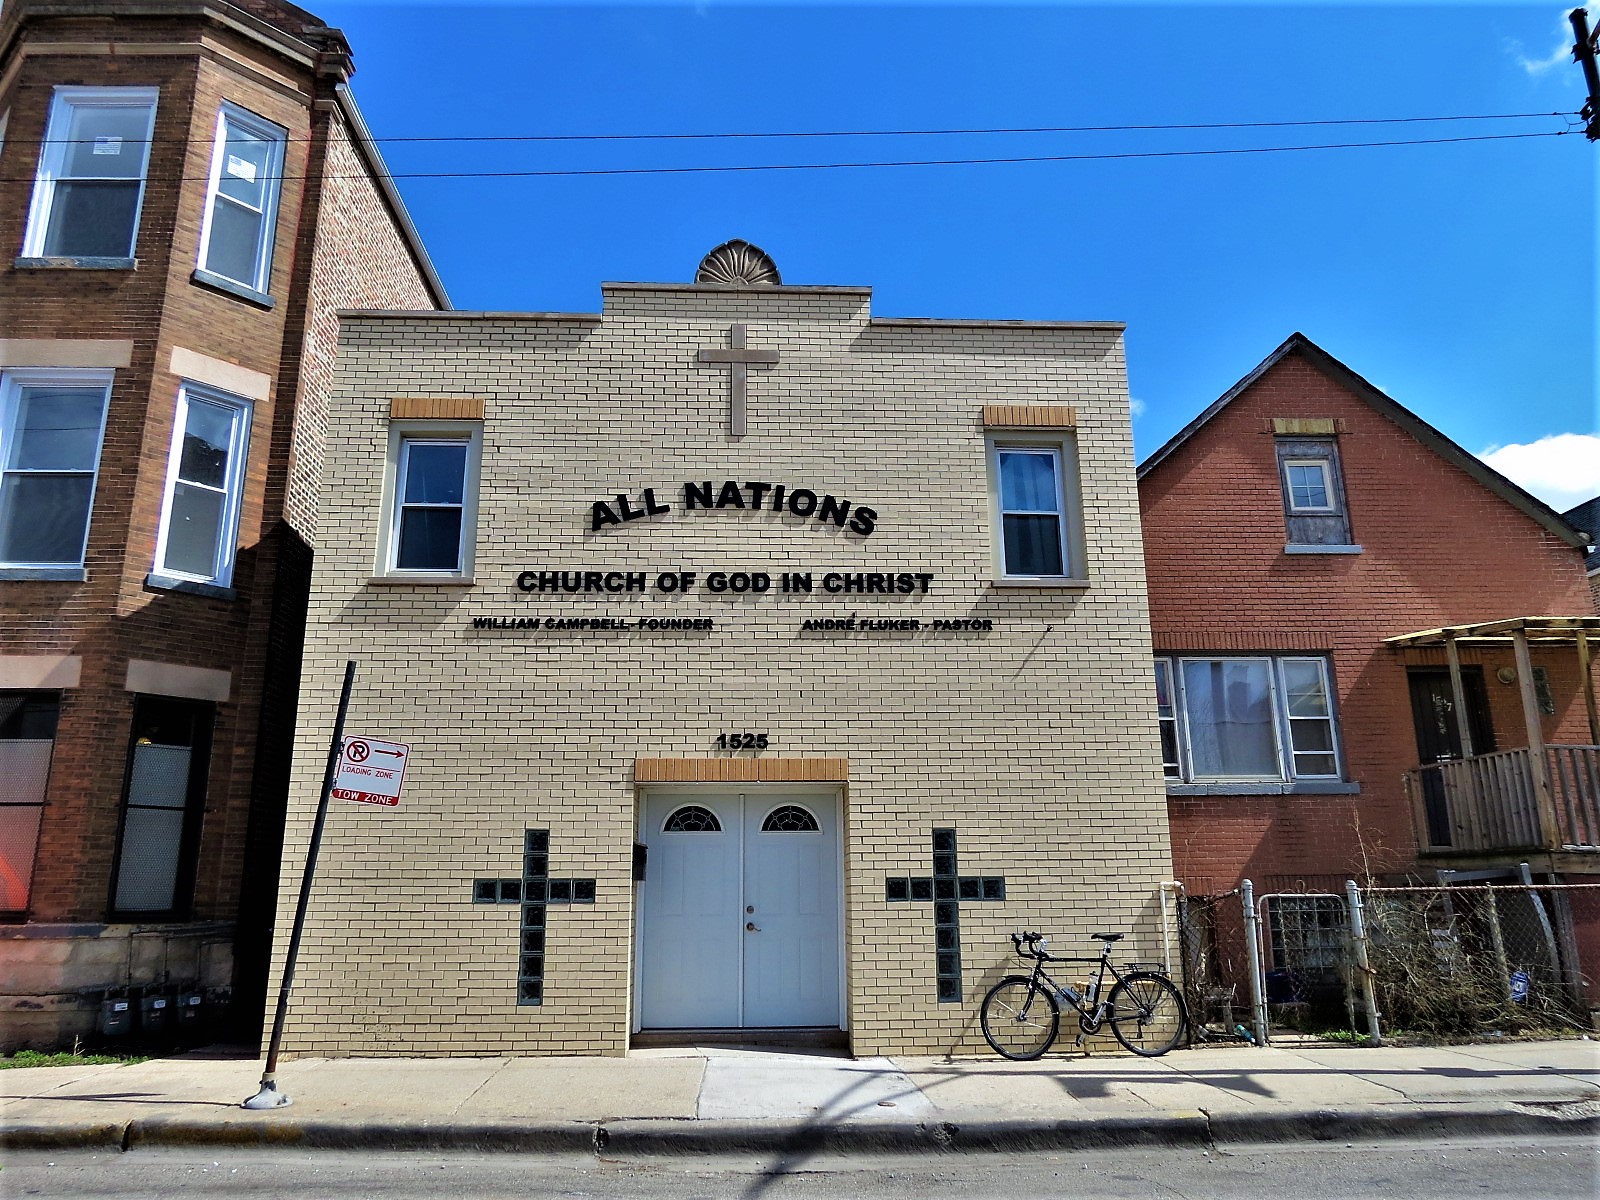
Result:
pixel 1586 517
pixel 1317 555
pixel 187 195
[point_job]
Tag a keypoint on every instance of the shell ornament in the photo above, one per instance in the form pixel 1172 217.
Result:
pixel 738 262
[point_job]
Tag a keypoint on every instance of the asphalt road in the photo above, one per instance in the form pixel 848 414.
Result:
pixel 1543 1169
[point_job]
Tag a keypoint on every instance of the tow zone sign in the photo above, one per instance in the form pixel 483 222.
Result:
pixel 370 771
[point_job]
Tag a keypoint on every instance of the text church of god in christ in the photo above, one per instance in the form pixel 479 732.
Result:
pixel 764 663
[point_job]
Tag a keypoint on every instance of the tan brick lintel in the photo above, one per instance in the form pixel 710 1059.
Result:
pixel 1030 416
pixel 436 408
pixel 1306 426
pixel 741 770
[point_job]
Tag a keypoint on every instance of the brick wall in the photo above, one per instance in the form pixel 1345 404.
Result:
pixel 1437 549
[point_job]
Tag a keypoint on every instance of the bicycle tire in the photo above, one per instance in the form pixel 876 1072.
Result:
pixel 1012 1022
pixel 1147 1014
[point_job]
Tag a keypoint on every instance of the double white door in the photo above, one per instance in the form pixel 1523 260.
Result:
pixel 740 911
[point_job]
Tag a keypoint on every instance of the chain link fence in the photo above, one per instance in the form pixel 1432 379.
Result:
pixel 1445 962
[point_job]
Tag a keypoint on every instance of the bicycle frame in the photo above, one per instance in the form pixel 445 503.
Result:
pixel 1089 1018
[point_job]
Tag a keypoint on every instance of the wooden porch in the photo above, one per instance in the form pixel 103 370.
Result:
pixel 1541 798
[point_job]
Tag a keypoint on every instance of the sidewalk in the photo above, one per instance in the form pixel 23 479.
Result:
pixel 739 1100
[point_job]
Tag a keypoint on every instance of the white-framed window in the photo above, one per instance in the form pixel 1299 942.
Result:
pixel 92 164
pixel 242 198
pixel 199 530
pixel 1307 485
pixel 1247 718
pixel 1034 484
pixel 432 500
pixel 52 423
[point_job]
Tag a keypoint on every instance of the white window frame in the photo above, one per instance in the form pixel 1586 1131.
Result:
pixel 401 434
pixel 53 153
pixel 267 130
pixel 1068 513
pixel 1326 469
pixel 1282 731
pixel 226 550
pixel 12 381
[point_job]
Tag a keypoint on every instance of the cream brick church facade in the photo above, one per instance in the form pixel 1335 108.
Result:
pixel 763 662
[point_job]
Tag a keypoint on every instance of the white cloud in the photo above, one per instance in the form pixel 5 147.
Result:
pixel 1562 470
pixel 1560 55
pixel 1136 406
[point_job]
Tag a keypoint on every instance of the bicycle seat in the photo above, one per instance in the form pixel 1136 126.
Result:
pixel 1107 937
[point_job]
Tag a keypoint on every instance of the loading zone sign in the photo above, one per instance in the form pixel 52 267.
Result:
pixel 370 771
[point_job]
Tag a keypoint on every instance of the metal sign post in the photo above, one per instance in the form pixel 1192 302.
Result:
pixel 269 1096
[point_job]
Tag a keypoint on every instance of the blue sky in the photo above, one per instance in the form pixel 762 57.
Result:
pixel 1460 278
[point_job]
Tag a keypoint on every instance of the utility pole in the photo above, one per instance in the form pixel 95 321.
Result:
pixel 1583 53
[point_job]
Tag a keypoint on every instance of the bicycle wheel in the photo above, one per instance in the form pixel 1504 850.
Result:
pixel 1147 1014
pixel 1019 1020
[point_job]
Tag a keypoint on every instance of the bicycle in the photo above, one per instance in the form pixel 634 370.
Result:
pixel 1021 1015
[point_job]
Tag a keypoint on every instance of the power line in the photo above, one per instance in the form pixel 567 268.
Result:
pixel 879 133
pixel 928 162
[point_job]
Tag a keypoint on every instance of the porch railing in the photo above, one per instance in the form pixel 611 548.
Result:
pixel 1490 802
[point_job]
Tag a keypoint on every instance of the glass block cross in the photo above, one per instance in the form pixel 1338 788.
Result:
pixel 535 892
pixel 945 889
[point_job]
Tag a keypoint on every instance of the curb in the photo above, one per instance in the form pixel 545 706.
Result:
pixel 646 1138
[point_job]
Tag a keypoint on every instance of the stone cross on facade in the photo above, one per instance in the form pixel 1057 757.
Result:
pixel 946 889
pixel 738 359
pixel 535 892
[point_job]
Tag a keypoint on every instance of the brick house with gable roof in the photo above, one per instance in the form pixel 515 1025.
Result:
pixel 1296 532
pixel 188 193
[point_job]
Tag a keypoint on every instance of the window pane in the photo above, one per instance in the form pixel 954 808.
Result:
pixel 1308 486
pixel 1302 681
pixel 1033 545
pixel 435 474
pixel 207 435
pixel 430 539
pixel 106 142
pixel 1229 709
pixel 233 243
pixel 91 220
pixel 1310 766
pixel 43 518
pixel 19 844
pixel 246 166
pixel 1163 700
pixel 1311 736
pixel 58 429
pixel 194 524
pixel 1169 749
pixel 1027 482
pixel 148 873
pixel 25 767
pixel 159 775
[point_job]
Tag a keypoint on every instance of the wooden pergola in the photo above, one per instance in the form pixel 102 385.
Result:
pixel 1520 633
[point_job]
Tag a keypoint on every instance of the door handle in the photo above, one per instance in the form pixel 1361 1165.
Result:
pixel 752 927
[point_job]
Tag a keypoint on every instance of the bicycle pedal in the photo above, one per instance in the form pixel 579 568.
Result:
pixel 1079 1042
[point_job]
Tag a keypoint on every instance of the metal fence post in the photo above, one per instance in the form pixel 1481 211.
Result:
pixel 1358 938
pixel 1252 949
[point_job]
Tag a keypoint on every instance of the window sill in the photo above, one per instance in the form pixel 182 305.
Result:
pixel 221 283
pixel 189 587
pixel 1301 548
pixel 421 581
pixel 1244 787
pixel 62 574
pixel 78 262
pixel 1037 582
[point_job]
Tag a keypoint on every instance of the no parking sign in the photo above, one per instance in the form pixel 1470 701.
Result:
pixel 371 771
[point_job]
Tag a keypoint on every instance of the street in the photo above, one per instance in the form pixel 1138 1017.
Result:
pixel 1548 1168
